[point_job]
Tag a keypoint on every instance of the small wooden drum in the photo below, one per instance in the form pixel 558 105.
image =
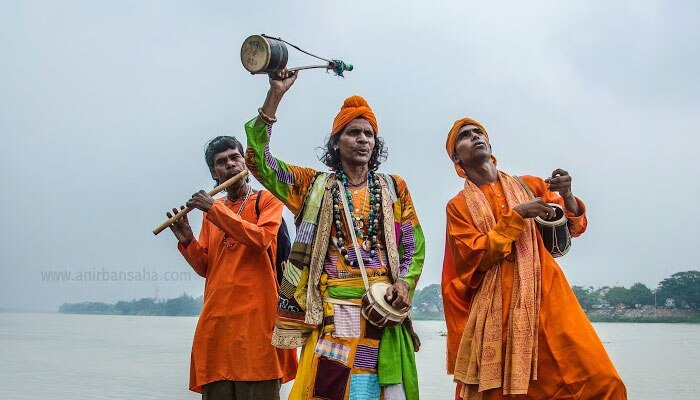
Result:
pixel 555 232
pixel 263 54
pixel 377 310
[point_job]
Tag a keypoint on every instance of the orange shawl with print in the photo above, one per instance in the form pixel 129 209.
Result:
pixel 480 360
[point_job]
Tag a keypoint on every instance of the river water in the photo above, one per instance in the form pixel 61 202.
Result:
pixel 77 357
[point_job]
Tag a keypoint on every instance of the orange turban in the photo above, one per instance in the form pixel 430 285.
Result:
pixel 454 134
pixel 354 107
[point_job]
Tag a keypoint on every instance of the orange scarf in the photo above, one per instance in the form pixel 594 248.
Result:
pixel 480 364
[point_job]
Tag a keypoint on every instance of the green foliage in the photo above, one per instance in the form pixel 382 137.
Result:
pixel 640 294
pixel 617 295
pixel 430 298
pixel 684 287
pixel 648 319
pixel 86 308
pixel 636 294
pixel 587 296
pixel 427 303
pixel 184 305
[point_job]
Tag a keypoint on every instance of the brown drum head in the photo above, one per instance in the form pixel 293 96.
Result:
pixel 263 54
pixel 255 54
pixel 376 309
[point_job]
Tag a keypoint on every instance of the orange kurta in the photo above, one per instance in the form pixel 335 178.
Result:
pixel 234 332
pixel 572 363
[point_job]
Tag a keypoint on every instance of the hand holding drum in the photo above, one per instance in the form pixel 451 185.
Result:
pixel 535 208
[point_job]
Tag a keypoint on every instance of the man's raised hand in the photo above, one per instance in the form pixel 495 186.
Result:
pixel 560 181
pixel 282 80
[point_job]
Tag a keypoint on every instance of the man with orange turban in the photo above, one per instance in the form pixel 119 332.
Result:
pixel 355 227
pixel 514 326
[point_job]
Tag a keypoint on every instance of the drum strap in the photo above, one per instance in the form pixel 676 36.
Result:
pixel 348 220
pixel 526 187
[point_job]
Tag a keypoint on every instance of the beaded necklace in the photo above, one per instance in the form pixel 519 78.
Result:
pixel 372 227
pixel 245 200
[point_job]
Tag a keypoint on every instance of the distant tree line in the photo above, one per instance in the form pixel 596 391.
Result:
pixel 185 305
pixel 682 287
pixel 681 290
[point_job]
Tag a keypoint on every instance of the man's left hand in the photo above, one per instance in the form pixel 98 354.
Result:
pixel 397 295
pixel 560 181
pixel 201 201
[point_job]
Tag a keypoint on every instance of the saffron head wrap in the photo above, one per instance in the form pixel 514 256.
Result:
pixel 453 135
pixel 354 107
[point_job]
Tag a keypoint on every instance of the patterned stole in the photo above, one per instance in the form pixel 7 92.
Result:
pixel 480 360
pixel 300 307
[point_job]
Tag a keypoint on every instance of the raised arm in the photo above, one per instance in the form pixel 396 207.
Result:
pixel 287 182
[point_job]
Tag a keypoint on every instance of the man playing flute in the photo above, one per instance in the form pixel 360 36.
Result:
pixel 232 357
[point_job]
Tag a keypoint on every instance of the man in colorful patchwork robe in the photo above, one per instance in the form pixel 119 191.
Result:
pixel 232 357
pixel 514 326
pixel 343 356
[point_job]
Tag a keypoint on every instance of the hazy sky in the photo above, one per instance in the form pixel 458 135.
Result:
pixel 105 107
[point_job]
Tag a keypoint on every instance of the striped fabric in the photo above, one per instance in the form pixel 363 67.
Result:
pixel 291 274
pixel 330 266
pixel 305 232
pixel 347 321
pixel 332 350
pixel 282 175
pixel 364 387
pixel 374 261
pixel 366 357
pixel 287 289
pixel 408 242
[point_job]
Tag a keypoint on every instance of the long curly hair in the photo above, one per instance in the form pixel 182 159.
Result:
pixel 331 157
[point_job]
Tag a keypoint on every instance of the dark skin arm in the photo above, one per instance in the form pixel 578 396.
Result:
pixel 534 208
pixel 181 228
pixel 397 295
pixel 560 182
pixel 278 87
pixel 201 201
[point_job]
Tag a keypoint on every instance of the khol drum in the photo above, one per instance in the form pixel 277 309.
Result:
pixel 377 310
pixel 555 232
